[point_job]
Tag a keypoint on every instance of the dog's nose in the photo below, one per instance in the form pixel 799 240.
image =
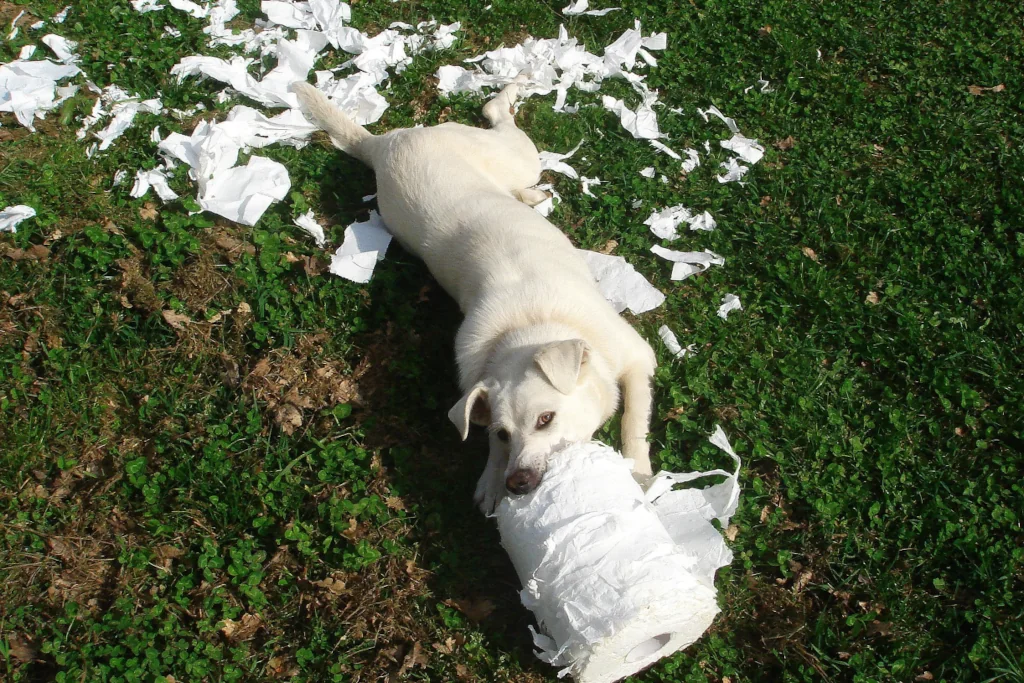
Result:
pixel 522 481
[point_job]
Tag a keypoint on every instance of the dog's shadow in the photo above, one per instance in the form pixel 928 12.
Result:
pixel 407 338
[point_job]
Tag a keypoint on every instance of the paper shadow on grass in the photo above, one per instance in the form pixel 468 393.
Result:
pixel 405 420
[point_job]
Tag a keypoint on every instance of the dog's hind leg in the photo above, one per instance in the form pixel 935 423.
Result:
pixel 514 153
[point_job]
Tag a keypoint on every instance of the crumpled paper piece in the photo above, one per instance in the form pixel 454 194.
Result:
pixel 687 263
pixel 553 161
pixel 308 223
pixel 559 64
pixel 124 115
pixel 620 284
pixel 692 161
pixel 240 193
pixel 28 89
pixel 548 205
pixel 665 149
pixel 13 215
pixel 745 148
pixel 641 123
pixel 356 95
pixel 588 183
pixel 714 111
pixel 365 244
pixel 730 302
pixel 579 7
pixel 155 179
pixel 62 48
pixel 665 223
pixel 734 171
pixel 673 345
pixel 617 577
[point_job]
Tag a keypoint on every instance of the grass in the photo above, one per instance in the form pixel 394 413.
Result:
pixel 156 519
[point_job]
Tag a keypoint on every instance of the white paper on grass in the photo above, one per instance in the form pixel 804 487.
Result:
pixel 365 244
pixel 62 48
pixel 641 123
pixel 28 89
pixel 580 7
pixel 60 16
pixel 687 263
pixel 13 215
pixel 713 110
pixel 673 345
pixel 661 147
pixel 621 285
pixel 545 207
pixel 665 223
pixel 155 179
pixel 745 148
pixel 647 172
pixel 143 6
pixel 243 193
pixel 292 15
pixel 308 223
pixel 553 161
pixel 26 52
pixel 587 183
pixel 731 302
pixel 692 161
pixel 734 171
pixel 617 577
pixel 124 115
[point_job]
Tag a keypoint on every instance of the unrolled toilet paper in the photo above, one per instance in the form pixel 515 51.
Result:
pixel 617 578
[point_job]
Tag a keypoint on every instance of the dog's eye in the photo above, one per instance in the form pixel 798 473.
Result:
pixel 502 435
pixel 544 419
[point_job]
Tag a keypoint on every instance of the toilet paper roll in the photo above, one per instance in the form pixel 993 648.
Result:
pixel 617 578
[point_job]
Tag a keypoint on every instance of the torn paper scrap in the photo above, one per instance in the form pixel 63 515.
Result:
pixel 553 161
pixel 647 172
pixel 143 6
pixel 745 148
pixel 642 123
pixel 587 183
pixel 665 149
pixel 26 52
pixel 762 86
pixel 308 223
pixel 60 16
pixel 365 244
pixel 665 223
pixel 713 110
pixel 734 171
pixel 13 215
pixel 579 7
pixel 545 207
pixel 673 345
pixel 731 302
pixel 692 161
pixel 155 179
pixel 119 178
pixel 621 284
pixel 243 193
pixel 356 95
pixel 28 89
pixel 687 263
pixel 632 43
pixel 62 48
pixel 124 115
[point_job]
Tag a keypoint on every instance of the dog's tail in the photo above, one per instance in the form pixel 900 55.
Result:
pixel 345 133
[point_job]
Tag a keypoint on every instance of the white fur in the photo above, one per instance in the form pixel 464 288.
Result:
pixel 534 318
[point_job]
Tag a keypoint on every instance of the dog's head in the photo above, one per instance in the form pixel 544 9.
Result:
pixel 534 400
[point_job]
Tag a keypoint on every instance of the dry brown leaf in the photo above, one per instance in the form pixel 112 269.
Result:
pixel 802 579
pixel 175 319
pixel 245 629
pixel 766 200
pixel 765 511
pixel 608 247
pixel 334 587
pixel 785 143
pixel 924 676
pixel 977 90
pixel 871 298
pixel 21 648
pixel 148 212
pixel 810 253
pixel 288 418
pixel 282 667
pixel 731 531
pixel 416 657
pixel 166 554
pixel 764 31
pixel 394 503
pixel 880 628
pixel 475 610
pixel 36 252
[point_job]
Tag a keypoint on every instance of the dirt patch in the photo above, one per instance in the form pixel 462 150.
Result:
pixel 137 290
pixel 198 283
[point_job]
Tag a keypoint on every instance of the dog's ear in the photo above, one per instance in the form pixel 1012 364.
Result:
pixel 561 363
pixel 473 408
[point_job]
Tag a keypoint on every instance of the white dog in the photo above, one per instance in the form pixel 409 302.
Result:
pixel 541 354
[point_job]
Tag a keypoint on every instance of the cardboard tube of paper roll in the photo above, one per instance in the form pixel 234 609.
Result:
pixel 612 588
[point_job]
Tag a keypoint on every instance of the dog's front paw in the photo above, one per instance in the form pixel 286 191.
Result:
pixel 642 478
pixel 489 492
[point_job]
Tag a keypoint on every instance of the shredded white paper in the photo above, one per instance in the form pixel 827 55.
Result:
pixel 687 263
pixel 647 172
pixel 579 7
pixel 365 244
pixel 745 148
pixel 665 223
pixel 692 161
pixel 734 171
pixel 155 179
pixel 308 223
pixel 28 89
pixel 673 345
pixel 731 302
pixel 553 161
pixel 13 215
pixel 621 284
pixel 587 183
pixel 616 577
